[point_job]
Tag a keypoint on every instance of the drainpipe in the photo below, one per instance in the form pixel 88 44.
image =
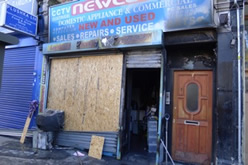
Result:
pixel 160 109
pixel 239 81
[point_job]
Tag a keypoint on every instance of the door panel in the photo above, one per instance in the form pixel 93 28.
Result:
pixel 192 116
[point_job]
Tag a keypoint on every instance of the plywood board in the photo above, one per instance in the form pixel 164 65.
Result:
pixel 96 147
pixel 88 89
pixel 25 130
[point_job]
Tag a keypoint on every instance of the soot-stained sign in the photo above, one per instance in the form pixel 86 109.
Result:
pixel 88 19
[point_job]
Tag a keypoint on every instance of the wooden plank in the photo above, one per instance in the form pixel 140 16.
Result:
pixel 96 147
pixel 25 129
pixel 32 108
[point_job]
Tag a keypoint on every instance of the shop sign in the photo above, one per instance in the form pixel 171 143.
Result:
pixel 88 19
pixel 29 6
pixel 188 14
pixel 18 20
pixel 151 38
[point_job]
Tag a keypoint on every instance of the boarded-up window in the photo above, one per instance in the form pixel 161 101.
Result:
pixel 88 89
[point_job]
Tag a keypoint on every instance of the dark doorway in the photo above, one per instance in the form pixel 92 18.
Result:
pixel 141 108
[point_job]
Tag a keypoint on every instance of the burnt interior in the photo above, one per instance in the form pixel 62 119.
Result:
pixel 142 94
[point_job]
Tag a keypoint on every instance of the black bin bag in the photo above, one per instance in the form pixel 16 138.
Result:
pixel 51 120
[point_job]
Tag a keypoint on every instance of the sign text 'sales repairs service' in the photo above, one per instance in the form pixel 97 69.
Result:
pixel 88 19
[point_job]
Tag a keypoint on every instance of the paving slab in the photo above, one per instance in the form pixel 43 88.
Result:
pixel 13 152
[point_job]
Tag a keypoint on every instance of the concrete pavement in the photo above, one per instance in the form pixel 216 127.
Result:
pixel 12 152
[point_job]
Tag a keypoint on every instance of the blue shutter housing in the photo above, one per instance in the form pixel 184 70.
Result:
pixel 17 87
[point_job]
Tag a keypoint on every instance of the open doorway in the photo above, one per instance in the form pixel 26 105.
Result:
pixel 141 110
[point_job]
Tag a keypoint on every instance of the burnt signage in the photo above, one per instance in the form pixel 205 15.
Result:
pixel 100 18
pixel 89 19
pixel 188 14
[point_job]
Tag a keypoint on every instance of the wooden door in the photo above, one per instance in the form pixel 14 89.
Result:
pixel 192 116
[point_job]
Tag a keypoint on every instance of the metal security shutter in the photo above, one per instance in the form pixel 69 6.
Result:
pixel 143 59
pixel 81 140
pixel 17 87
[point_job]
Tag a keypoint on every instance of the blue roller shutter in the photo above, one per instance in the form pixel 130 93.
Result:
pixel 17 86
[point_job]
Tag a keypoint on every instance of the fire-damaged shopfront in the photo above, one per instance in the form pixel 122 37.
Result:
pixel 156 78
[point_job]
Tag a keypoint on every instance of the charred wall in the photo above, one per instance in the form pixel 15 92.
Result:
pixel 226 109
pixel 227 89
pixel 208 50
pixel 190 50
